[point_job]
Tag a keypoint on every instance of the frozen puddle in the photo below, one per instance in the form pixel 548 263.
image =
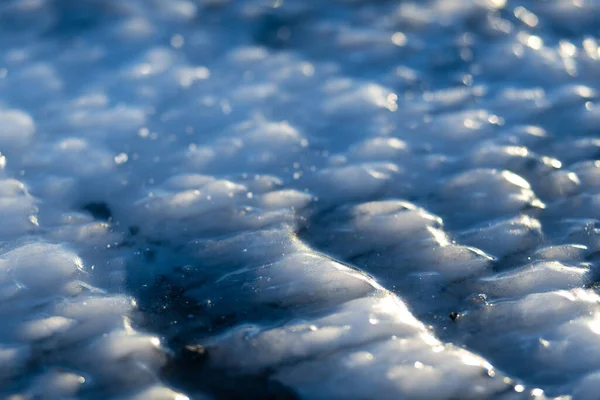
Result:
pixel 219 199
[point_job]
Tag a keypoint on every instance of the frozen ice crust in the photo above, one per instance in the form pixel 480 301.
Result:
pixel 299 199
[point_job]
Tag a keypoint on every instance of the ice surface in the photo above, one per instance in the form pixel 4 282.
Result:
pixel 299 199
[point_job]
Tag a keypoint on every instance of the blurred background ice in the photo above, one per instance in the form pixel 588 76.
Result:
pixel 299 199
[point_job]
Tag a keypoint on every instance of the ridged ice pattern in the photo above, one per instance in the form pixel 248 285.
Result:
pixel 299 199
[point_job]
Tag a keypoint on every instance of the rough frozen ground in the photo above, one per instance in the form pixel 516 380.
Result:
pixel 299 199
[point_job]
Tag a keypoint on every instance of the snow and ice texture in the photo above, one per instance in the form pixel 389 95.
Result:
pixel 299 199
pixel 62 337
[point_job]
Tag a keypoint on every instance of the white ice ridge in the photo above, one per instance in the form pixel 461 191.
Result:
pixel 347 329
pixel 70 336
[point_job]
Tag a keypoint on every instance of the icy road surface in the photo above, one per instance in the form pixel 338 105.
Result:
pixel 299 199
